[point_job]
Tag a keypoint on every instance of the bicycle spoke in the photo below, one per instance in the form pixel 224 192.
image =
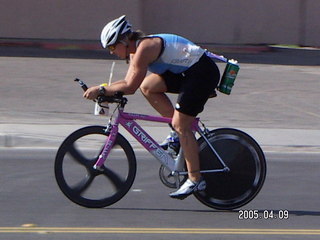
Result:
pixel 114 178
pixel 76 154
pixel 84 184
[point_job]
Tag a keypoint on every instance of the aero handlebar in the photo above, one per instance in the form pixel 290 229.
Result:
pixel 116 98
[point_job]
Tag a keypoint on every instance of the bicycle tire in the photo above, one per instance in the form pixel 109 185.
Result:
pixel 246 160
pixel 83 184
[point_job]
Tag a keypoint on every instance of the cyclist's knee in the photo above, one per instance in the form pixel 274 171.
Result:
pixel 153 83
pixel 181 130
pixel 145 88
pixel 182 123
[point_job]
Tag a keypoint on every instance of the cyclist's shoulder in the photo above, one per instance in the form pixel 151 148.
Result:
pixel 149 48
pixel 149 43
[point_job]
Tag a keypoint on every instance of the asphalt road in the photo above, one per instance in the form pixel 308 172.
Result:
pixel 32 206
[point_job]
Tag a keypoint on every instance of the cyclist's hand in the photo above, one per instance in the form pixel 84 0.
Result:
pixel 92 93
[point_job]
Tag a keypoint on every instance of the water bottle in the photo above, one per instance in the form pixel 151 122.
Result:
pixel 228 77
pixel 102 108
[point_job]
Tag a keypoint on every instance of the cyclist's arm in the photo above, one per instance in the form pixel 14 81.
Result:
pixel 134 77
pixel 147 52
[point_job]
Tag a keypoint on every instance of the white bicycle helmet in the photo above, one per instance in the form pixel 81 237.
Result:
pixel 114 30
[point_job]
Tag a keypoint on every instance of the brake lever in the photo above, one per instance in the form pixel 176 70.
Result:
pixel 82 84
pixel 100 99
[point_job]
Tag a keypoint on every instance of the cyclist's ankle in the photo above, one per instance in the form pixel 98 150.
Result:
pixel 195 178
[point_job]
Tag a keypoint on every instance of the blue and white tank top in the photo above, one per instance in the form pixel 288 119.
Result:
pixel 178 54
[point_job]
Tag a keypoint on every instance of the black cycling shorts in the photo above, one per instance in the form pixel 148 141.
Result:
pixel 194 86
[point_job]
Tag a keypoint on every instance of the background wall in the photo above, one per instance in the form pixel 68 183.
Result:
pixel 203 21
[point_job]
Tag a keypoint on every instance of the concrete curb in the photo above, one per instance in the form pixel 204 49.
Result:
pixel 95 45
pixel 51 136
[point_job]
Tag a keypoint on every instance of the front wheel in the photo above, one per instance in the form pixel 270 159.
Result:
pixel 244 157
pixel 83 184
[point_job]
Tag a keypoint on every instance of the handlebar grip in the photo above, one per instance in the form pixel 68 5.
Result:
pixel 117 98
pixel 82 84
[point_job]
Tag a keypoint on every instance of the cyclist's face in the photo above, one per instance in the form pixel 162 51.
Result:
pixel 118 49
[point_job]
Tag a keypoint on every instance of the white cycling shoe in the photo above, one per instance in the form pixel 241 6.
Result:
pixel 188 188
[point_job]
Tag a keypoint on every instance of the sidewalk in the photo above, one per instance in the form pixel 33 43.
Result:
pixel 51 136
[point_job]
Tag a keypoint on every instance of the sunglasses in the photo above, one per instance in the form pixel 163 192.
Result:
pixel 111 48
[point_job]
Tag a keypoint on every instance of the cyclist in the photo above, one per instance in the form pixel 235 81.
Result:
pixel 177 66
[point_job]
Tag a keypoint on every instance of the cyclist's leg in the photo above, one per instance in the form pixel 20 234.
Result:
pixel 182 124
pixel 198 84
pixel 153 88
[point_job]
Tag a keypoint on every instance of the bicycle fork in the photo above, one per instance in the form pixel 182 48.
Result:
pixel 112 131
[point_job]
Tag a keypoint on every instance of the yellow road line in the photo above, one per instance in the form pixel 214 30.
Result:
pixel 244 231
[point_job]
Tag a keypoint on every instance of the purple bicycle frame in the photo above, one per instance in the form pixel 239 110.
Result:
pixel 127 120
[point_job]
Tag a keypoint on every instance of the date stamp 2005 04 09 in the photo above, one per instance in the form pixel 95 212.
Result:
pixel 264 214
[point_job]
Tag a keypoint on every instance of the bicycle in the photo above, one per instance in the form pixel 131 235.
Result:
pixel 99 175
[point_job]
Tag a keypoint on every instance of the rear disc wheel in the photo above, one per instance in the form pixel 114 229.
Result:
pixel 244 157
